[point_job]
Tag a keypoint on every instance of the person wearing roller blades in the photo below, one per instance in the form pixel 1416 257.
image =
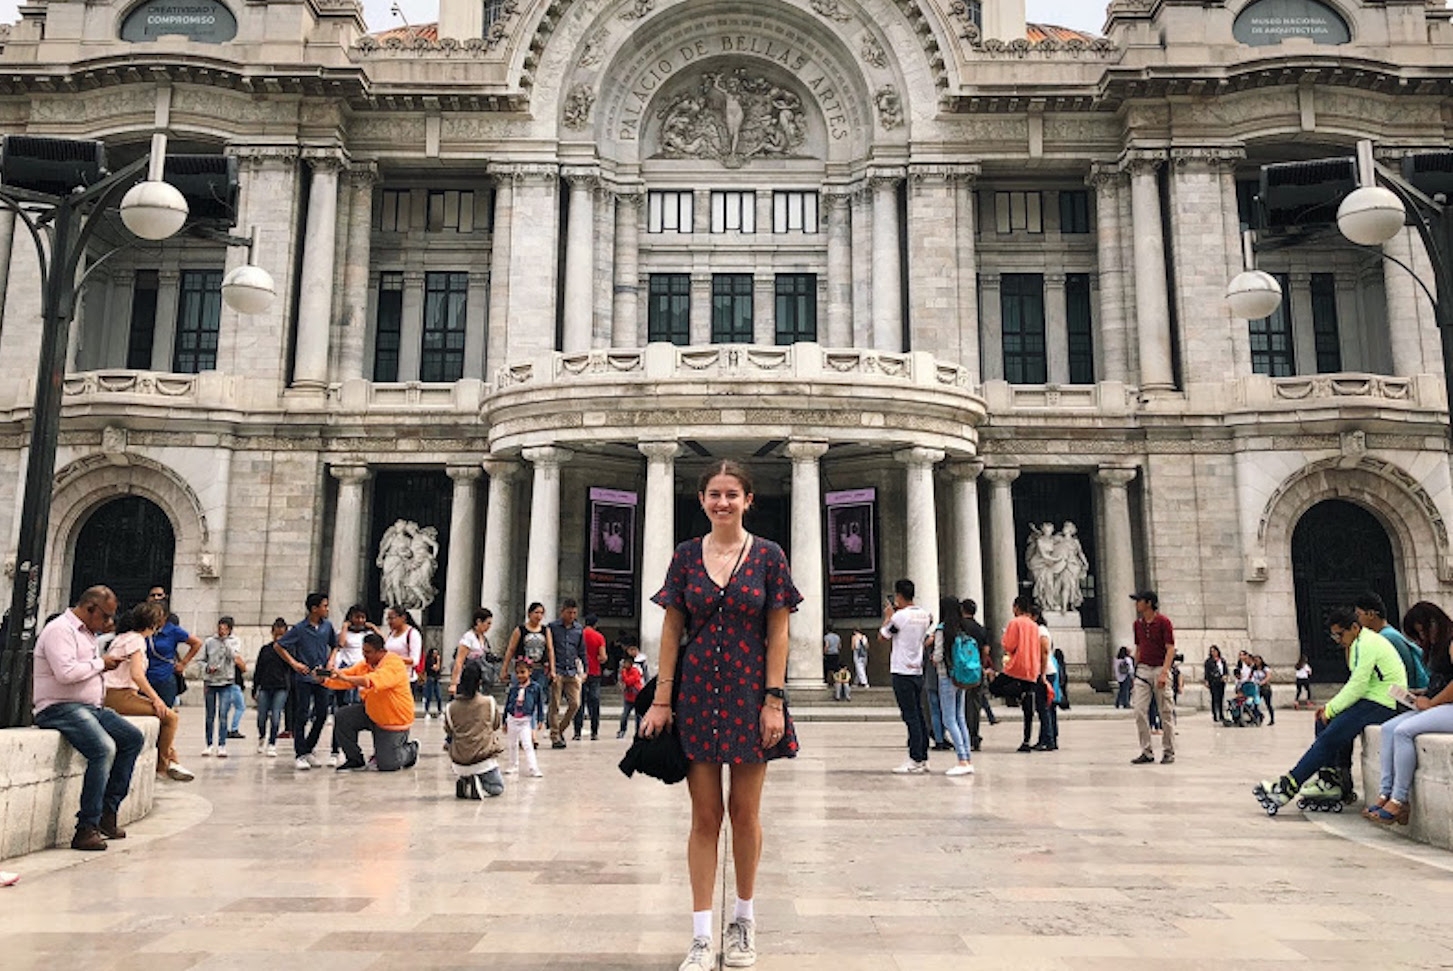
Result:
pixel 1322 780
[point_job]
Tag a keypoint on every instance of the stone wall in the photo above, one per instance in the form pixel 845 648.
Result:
pixel 1431 798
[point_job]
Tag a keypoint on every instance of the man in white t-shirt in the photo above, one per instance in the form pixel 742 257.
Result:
pixel 906 626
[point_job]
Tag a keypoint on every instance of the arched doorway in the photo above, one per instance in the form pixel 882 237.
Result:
pixel 128 545
pixel 1339 550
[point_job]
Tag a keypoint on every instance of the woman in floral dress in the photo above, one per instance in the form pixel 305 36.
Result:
pixel 728 594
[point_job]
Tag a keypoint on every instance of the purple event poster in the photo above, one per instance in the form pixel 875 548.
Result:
pixel 852 554
pixel 610 575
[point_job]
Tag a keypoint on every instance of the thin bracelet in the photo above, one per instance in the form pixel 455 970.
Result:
pixel 660 704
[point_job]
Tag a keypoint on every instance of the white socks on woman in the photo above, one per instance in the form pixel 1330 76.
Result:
pixel 701 924
pixel 744 910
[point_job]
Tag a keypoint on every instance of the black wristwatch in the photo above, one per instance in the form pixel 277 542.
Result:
pixel 779 693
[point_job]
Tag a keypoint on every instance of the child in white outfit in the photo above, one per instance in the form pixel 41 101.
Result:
pixel 519 703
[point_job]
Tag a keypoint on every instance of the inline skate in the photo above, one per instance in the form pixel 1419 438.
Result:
pixel 1274 795
pixel 1328 792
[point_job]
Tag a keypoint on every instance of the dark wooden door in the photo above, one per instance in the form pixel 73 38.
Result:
pixel 127 545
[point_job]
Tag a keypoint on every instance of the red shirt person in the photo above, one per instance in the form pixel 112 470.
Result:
pixel 1155 643
pixel 592 642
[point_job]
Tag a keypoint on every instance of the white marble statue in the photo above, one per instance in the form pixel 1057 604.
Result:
pixel 408 556
pixel 1058 564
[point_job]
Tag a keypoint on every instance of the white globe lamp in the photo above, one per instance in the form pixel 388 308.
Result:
pixel 1253 295
pixel 1371 216
pixel 153 210
pixel 248 289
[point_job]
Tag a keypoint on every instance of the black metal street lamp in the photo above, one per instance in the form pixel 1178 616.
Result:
pixel 60 193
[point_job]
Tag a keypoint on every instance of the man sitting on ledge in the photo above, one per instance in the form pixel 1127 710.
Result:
pixel 68 694
pixel 387 710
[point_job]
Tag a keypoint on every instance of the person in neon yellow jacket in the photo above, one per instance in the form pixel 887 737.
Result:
pixel 1364 700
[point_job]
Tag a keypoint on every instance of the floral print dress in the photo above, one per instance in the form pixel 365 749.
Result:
pixel 722 674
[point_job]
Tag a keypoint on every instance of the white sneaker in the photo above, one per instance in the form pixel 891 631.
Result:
pixel 911 768
pixel 178 772
pixel 536 774
pixel 511 770
pixel 207 752
pixel 739 947
pixel 961 770
pixel 272 751
pixel 313 760
pixel 701 957
pixel 333 760
pixel 221 751
pixel 261 745
pixel 302 765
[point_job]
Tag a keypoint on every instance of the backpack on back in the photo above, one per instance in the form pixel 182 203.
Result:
pixel 966 667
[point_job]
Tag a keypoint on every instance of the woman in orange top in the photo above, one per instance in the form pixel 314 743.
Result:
pixel 1024 663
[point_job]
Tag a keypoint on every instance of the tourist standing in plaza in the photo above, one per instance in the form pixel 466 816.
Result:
pixel 128 692
pixel 832 648
pixel 221 660
pixel 593 643
pixel 165 664
pixel 1024 665
pixel 905 628
pixel 1261 677
pixel 306 648
pixel 632 678
pixel 729 595
pixel 474 646
pixel 860 657
pixel 433 688
pixel 974 695
pixel 1154 654
pixel 1124 677
pixel 402 638
pixel 1214 679
pixel 567 638
pixel 1048 709
pixel 270 677
pixel 1304 680
pixel 531 641
pixel 67 692
pixel 950 641
pixel 385 710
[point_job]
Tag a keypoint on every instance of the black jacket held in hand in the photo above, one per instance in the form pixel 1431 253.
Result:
pixel 660 757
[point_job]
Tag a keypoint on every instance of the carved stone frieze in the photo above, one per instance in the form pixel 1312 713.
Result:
pixel 890 107
pixel 579 104
pixel 638 10
pixel 732 118
pixel 871 51
pixel 1213 156
pixel 832 10
pixel 592 51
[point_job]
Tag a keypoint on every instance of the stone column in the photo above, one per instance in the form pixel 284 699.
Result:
pixel 499 279
pixel 310 353
pixel 7 240
pixel 860 209
pixel 476 325
pixel 1152 303
pixel 1003 549
pixel 991 328
pixel 579 260
pixel 1112 364
pixel 970 352
pixel 887 265
pixel 700 321
pixel 463 552
pixel 922 524
pixel 1056 329
pixel 411 333
pixel 1119 559
pixel 839 270
pixel 164 332
pixel 499 541
pixel 345 584
pixel 360 181
pixel 1408 309
pixel 542 567
pixel 659 540
pixel 625 306
pixel 804 663
pixel 968 555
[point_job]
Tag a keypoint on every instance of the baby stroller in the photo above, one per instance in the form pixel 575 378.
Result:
pixel 1245 708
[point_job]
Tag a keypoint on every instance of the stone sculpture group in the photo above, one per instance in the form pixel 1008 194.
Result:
pixel 1058 564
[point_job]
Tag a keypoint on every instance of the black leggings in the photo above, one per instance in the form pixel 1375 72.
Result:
pixel 1304 684
pixel 1035 698
pixel 1218 700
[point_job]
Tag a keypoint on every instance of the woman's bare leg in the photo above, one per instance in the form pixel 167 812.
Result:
pixel 703 780
pixel 745 806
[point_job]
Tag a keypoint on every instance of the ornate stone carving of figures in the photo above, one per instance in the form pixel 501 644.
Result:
pixel 408 556
pixel 1058 565
pixel 732 118
pixel 1076 567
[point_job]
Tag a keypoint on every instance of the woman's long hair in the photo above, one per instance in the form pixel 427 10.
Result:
pixel 470 680
pixel 1430 627
pixel 948 611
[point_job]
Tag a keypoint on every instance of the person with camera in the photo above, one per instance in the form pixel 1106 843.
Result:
pixel 906 627
pixel 385 709
pixel 306 649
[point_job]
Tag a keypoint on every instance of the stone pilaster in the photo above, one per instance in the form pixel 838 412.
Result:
pixel 411 333
pixel 310 354
pixel 1111 342
pixel 164 333
pixel 345 586
pixel 991 328
pixel 860 206
pixel 625 307
pixel 804 663
pixel 1003 547
pixel 922 525
pixel 969 348
pixel 933 258
pixel 499 541
pixel 968 553
pixel 839 269
pixel 887 266
pixel 659 540
pixel 499 275
pixel 1409 312
pixel 459 586
pixel 542 566
pixel 580 259
pixel 532 259
pixel 1056 329
pixel 1119 559
pixel 1152 301
pixel 1205 241
pixel 359 183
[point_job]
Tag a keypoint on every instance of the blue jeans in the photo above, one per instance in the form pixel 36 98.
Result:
pixel 238 709
pixel 1333 745
pixel 433 691
pixel 627 710
pixel 1400 747
pixel 308 698
pixel 542 678
pixel 589 705
pixel 935 715
pixel 219 706
pixel 1122 693
pixel 270 704
pixel 108 743
pixel 1049 717
pixel 951 703
pixel 166 690
pixel 908 692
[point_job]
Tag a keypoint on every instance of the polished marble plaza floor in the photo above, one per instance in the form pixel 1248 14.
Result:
pixel 1073 859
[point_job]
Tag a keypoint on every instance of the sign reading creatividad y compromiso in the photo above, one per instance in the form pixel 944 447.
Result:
pixel 203 21
pixel 1268 22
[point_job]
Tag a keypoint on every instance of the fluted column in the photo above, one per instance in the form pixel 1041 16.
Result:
pixel 659 539
pixel 839 270
pixel 1119 559
pixel 542 567
pixel 968 555
pixel 579 260
pixel 1003 547
pixel 625 306
pixel 315 305
pixel 1056 329
pixel 922 524
pixel 344 580
pixel 804 663
pixel 499 277
pixel 463 551
pixel 1152 302
pixel 1112 362
pixel 499 540
pixel 887 265
pixel 360 181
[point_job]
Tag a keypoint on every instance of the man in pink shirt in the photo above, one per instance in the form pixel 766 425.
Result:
pixel 68 692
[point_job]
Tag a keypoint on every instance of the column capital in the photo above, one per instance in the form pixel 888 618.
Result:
pixel 967 470
pixel 1001 477
pixel 659 451
pixel 1142 161
pixel 547 456
pixel 515 173
pixel 363 175
pixel 350 474
pixel 633 196
pixel 836 197
pixel 886 176
pixel 1211 156
pixel 802 451
pixel 323 160
pixel 1105 175
pixel 255 156
pixel 1055 279
pixel 958 172
pixel 501 468
pixel 1115 478
pixel 919 457
pixel 463 473
pixel 584 177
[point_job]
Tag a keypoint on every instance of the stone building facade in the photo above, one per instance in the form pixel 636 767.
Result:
pixel 936 273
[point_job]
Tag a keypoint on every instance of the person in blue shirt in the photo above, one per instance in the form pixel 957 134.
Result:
pixel 1372 614
pixel 163 654
pixel 306 648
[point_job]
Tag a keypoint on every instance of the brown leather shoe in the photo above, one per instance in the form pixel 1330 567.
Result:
pixel 110 828
pixel 88 838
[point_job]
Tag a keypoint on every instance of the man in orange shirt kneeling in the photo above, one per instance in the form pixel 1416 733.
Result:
pixel 386 710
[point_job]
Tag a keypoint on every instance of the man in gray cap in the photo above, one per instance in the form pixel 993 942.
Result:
pixel 1155 641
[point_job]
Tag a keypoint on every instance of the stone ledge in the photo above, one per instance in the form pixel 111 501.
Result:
pixel 40 787
pixel 1431 798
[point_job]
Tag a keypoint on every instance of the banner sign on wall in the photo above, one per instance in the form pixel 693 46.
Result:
pixel 200 21
pixel 610 574
pixel 852 554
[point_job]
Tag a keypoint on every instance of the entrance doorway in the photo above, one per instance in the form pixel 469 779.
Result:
pixel 1339 551
pixel 127 545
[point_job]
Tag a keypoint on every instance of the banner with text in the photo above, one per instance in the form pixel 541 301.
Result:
pixel 852 554
pixel 610 574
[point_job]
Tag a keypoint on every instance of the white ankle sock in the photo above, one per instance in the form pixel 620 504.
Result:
pixel 701 924
pixel 745 910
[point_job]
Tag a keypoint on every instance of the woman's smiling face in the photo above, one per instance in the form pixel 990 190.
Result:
pixel 725 501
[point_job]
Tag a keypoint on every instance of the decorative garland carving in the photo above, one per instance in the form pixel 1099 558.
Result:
pixel 832 10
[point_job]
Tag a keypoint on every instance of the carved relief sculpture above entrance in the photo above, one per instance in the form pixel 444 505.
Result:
pixel 732 117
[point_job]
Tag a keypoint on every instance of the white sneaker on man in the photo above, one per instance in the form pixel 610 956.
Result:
pixel 911 767
pixel 961 770
pixel 739 947
pixel 333 760
pixel 313 760
pixel 302 765
pixel 272 751
pixel 221 751
pixel 207 752
pixel 701 957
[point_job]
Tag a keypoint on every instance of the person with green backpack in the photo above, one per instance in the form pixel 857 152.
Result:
pixel 957 659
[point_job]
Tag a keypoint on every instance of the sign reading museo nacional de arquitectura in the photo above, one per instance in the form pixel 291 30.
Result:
pixel 202 21
pixel 1273 21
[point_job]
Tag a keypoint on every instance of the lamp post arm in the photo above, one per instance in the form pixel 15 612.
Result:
pixel 30 227
pixel 1434 224
pixel 95 200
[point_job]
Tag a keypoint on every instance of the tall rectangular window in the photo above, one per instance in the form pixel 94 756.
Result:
pixel 389 334
pixel 668 308
pixel 199 315
pixel 669 212
pixel 1021 301
pixel 393 211
pixel 733 212
pixel 1019 212
pixel 493 11
pixel 796 307
pixel 446 296
pixel 1074 212
pixel 794 212
pixel 1272 350
pixel 143 321
pixel 1324 323
pixel 451 210
pixel 1080 325
pixel 731 308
